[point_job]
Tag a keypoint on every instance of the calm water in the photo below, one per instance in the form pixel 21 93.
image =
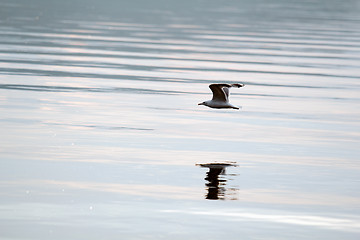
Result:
pixel 101 134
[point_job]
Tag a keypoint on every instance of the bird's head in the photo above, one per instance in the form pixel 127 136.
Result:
pixel 202 103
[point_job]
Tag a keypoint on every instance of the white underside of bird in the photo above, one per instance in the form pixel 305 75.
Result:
pixel 221 96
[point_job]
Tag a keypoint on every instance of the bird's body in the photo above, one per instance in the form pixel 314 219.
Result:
pixel 221 96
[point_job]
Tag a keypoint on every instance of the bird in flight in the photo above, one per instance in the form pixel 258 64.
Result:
pixel 220 97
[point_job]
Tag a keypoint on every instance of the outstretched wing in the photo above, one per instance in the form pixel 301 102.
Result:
pixel 221 91
pixel 218 92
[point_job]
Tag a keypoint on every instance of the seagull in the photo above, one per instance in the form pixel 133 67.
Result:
pixel 221 96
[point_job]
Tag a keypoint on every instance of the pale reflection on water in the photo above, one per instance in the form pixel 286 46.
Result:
pixel 101 132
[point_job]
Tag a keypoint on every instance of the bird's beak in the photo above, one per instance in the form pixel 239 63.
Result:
pixel 201 103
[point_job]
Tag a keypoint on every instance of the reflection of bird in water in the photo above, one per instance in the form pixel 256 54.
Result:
pixel 215 185
pixel 220 97
pixel 215 191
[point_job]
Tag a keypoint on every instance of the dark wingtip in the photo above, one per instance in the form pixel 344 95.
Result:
pixel 239 85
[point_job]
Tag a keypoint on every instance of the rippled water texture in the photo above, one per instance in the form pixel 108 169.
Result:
pixel 102 137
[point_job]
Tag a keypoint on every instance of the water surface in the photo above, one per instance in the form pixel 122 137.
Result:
pixel 101 134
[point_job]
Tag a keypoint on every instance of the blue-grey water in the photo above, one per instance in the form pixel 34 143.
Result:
pixel 101 135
